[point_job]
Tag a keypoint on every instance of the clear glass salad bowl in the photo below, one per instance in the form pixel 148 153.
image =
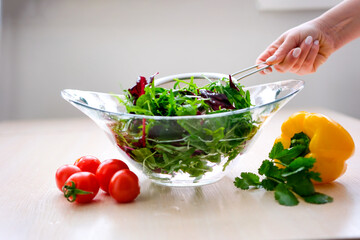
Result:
pixel 184 150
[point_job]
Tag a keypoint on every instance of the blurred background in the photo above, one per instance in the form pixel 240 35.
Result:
pixel 50 45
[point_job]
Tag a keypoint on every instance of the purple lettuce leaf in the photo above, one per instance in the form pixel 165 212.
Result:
pixel 216 100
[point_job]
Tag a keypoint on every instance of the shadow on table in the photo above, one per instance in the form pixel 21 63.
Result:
pixel 218 204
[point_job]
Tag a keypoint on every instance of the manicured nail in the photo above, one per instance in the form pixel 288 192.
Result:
pixel 316 42
pixel 308 40
pixel 296 52
pixel 271 59
pixel 267 71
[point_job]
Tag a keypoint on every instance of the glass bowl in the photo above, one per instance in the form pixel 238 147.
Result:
pixel 184 150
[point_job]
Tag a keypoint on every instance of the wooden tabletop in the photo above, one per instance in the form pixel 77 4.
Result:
pixel 31 207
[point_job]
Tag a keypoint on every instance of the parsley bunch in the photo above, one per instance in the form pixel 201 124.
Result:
pixel 288 174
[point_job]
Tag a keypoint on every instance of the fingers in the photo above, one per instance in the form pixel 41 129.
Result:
pixel 265 55
pixel 285 55
pixel 269 51
pixel 283 50
pixel 313 60
pixel 294 62
pixel 266 70
pixel 289 61
pixel 302 60
pixel 305 46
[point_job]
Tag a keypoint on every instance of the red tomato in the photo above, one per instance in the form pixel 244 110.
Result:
pixel 88 164
pixel 63 173
pixel 81 187
pixel 124 186
pixel 106 170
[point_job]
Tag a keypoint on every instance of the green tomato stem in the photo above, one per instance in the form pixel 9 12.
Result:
pixel 71 192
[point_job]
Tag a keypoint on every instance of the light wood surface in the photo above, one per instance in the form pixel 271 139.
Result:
pixel 31 207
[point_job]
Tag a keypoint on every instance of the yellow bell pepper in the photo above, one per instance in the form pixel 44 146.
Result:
pixel 330 144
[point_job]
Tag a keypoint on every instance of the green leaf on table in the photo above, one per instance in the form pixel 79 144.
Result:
pixel 299 162
pixel 269 169
pixel 284 196
pixel 315 176
pixel 286 155
pixel 318 198
pixel 288 172
pixel 247 179
pixel 301 184
pixel 268 184
pixel 276 150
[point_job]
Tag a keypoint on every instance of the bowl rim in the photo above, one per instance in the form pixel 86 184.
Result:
pixel 300 85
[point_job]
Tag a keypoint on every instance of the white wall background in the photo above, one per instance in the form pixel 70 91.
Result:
pixel 103 45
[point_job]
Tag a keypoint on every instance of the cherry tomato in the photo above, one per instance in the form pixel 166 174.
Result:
pixel 63 173
pixel 88 163
pixel 81 187
pixel 124 186
pixel 106 170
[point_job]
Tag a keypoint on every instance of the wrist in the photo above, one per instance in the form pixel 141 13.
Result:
pixel 341 23
pixel 328 33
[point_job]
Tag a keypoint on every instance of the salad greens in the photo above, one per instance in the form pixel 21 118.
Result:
pixel 287 174
pixel 184 145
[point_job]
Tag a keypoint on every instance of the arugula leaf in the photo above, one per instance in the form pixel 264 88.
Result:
pixel 203 143
pixel 284 196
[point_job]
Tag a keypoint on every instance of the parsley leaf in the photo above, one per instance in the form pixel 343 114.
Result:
pixel 247 180
pixel 276 150
pixel 315 176
pixel 300 139
pixel 306 163
pixel 287 173
pixel 301 184
pixel 269 184
pixel 284 196
pixel 269 169
pixel 318 198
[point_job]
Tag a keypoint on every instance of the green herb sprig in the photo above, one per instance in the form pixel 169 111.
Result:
pixel 288 174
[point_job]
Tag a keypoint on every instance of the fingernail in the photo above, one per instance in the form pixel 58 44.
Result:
pixel 308 40
pixel 271 59
pixel 267 71
pixel 296 52
pixel 316 42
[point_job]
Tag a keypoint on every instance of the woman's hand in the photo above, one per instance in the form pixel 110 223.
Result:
pixel 300 50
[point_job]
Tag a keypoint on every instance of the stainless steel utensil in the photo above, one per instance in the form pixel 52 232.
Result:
pixel 250 73
pixel 202 75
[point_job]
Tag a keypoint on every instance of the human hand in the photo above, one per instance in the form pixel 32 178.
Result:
pixel 300 50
